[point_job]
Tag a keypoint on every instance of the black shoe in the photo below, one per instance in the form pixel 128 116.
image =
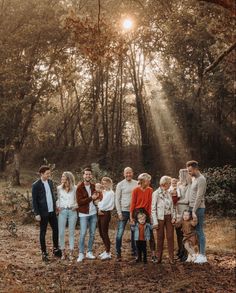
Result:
pixel 57 252
pixel 118 257
pixel 133 253
pixel 145 260
pixel 138 259
pixel 45 257
pixel 154 259
pixel 183 258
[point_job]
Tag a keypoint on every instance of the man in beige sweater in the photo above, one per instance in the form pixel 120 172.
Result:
pixel 197 205
pixel 122 199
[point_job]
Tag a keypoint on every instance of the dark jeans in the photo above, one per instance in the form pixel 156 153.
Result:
pixel 141 246
pixel 120 232
pixel 51 218
pixel 179 236
pixel 103 227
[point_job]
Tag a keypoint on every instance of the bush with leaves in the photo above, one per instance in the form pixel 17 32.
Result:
pixel 221 187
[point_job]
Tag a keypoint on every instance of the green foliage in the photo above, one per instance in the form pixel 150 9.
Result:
pixel 221 190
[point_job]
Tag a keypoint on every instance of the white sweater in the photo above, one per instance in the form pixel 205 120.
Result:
pixel 66 199
pixel 107 202
pixel 123 195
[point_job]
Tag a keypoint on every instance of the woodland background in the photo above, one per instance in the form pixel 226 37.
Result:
pixel 77 88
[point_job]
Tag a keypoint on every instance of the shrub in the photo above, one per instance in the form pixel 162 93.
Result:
pixel 221 187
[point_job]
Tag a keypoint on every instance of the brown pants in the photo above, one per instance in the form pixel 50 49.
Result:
pixel 165 225
pixel 103 227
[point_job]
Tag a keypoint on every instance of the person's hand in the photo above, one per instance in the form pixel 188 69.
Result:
pixel 120 217
pixel 155 227
pixel 173 221
pixel 95 196
pixel 132 222
pixel 194 215
pixel 38 218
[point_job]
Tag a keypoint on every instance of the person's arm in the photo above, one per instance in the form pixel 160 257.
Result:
pixel 154 210
pixel 173 212
pixel 150 202
pixel 118 199
pixel 133 204
pixel 82 198
pixel 194 222
pixel 35 203
pixel 75 205
pixel 201 190
pixel 107 203
pixel 34 199
pixel 178 224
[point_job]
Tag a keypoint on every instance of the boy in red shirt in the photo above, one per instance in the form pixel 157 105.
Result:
pixel 141 202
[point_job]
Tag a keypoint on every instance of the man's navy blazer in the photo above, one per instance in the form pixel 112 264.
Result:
pixel 39 199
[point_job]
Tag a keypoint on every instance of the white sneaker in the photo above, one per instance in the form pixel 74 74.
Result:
pixel 189 259
pixel 200 259
pixel 90 255
pixel 81 257
pixel 101 254
pixel 194 256
pixel 106 256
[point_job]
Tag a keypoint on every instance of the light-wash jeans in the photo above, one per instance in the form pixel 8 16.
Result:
pixel 85 222
pixel 200 212
pixel 71 216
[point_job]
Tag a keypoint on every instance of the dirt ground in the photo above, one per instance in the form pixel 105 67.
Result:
pixel 21 269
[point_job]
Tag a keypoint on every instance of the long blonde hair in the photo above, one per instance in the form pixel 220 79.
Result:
pixel 71 179
pixel 184 177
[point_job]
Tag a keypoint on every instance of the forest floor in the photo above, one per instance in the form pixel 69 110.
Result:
pixel 22 270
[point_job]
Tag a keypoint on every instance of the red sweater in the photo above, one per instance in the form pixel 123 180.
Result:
pixel 141 199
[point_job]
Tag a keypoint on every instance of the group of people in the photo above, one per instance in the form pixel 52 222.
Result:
pixel 177 205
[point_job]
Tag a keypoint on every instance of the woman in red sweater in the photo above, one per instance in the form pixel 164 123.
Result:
pixel 141 201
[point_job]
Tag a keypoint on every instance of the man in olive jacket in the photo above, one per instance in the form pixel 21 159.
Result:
pixel 44 207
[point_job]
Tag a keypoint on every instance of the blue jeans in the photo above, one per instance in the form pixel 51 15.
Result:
pixel 91 222
pixel 120 232
pixel 200 212
pixel 62 219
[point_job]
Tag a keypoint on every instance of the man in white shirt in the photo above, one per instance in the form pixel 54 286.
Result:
pixel 86 196
pixel 122 200
pixel 44 206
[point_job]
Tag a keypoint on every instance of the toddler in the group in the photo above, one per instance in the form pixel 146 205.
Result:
pixel 98 192
pixel 189 234
pixel 174 191
pixel 142 234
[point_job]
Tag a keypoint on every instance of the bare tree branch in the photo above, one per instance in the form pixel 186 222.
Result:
pixel 220 58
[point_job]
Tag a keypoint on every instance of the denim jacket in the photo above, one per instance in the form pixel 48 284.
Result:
pixel 147 231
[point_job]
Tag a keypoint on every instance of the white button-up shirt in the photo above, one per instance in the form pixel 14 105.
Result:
pixel 48 196
pixel 66 199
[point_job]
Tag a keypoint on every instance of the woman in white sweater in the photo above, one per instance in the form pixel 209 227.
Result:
pixel 67 209
pixel 163 216
pixel 184 186
pixel 105 206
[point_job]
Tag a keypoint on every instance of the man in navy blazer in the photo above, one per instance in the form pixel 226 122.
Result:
pixel 44 206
